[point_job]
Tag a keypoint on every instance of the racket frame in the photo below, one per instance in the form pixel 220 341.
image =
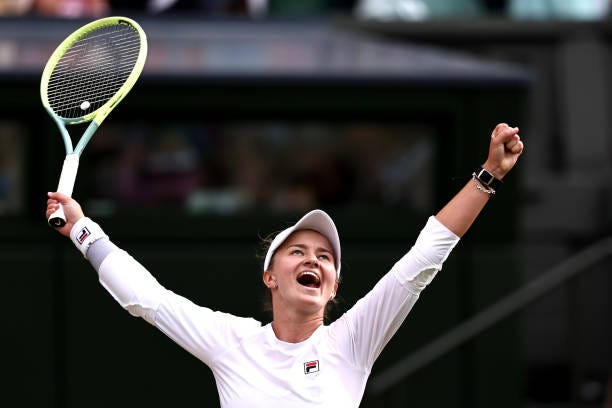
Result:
pixel 71 162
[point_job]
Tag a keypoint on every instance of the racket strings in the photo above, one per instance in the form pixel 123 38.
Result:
pixel 91 62
pixel 93 70
pixel 96 85
pixel 101 85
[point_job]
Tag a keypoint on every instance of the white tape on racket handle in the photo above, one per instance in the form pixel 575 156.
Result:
pixel 68 176
pixel 65 186
pixel 58 218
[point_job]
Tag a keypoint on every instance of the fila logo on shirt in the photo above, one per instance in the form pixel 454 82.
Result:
pixel 311 367
pixel 83 234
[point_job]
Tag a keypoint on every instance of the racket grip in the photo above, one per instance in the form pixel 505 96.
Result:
pixel 58 218
pixel 65 186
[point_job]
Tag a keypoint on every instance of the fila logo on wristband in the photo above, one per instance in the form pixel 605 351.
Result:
pixel 311 367
pixel 82 235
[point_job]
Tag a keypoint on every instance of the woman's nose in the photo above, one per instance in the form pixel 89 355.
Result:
pixel 312 260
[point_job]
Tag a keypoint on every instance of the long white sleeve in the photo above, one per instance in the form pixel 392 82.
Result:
pixel 376 317
pixel 431 249
pixel 130 284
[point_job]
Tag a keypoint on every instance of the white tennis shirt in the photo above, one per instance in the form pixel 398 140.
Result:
pixel 252 368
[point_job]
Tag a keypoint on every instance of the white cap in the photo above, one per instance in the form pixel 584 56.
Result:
pixel 316 220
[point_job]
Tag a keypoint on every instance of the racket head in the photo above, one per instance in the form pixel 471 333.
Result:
pixel 93 69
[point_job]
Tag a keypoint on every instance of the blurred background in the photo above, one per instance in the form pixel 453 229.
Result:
pixel 250 112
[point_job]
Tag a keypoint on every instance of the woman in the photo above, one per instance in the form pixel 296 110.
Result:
pixel 296 361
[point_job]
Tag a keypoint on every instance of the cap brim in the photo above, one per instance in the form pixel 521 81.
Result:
pixel 316 220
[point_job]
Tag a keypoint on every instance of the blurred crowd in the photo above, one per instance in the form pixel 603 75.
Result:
pixel 369 9
pixel 248 166
pixel 99 8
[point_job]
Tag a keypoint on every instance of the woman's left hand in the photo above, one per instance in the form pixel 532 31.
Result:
pixel 504 150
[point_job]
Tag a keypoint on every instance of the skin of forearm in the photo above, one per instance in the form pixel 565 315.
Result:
pixel 463 209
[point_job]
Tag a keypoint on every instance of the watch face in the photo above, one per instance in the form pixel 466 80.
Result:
pixel 485 176
pixel 488 179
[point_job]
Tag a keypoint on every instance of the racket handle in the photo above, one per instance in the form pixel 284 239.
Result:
pixel 65 186
pixel 58 218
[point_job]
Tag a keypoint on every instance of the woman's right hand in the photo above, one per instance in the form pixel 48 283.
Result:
pixel 72 210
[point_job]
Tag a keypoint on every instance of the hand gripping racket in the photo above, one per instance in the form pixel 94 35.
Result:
pixel 85 78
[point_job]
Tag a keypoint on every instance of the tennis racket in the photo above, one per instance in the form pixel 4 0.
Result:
pixel 85 78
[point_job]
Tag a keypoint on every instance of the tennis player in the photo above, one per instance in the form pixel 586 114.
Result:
pixel 296 360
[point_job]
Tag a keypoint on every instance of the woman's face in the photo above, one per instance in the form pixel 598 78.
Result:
pixel 302 276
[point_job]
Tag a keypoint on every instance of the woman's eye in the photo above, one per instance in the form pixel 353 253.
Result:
pixel 296 252
pixel 324 257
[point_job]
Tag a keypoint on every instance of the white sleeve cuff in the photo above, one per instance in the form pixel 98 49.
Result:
pixel 436 241
pixel 433 245
pixel 84 233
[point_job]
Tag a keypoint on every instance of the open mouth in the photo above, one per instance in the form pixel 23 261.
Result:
pixel 309 279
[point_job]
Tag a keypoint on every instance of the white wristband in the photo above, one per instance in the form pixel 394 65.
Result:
pixel 84 233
